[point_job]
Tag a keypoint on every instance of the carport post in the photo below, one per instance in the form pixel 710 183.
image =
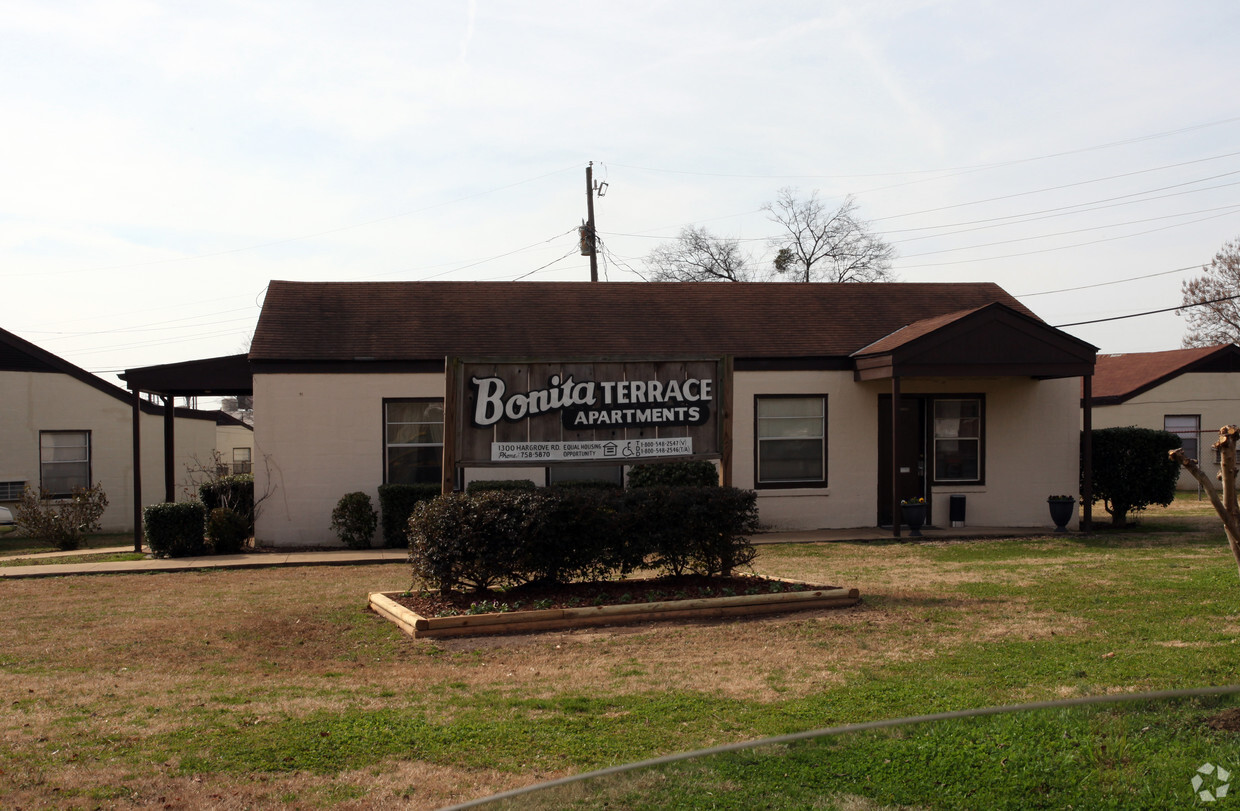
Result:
pixel 170 494
pixel 137 470
pixel 895 457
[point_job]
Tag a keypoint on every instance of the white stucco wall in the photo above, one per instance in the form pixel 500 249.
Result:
pixel 1032 447
pixel 318 437
pixel 31 402
pixel 1215 397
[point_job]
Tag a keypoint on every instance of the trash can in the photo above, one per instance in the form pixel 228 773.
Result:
pixel 955 510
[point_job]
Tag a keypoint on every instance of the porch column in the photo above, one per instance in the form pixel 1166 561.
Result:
pixel 137 470
pixel 1087 455
pixel 895 457
pixel 170 494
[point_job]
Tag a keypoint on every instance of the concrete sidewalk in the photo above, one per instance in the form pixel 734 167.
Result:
pixel 353 557
pixel 248 560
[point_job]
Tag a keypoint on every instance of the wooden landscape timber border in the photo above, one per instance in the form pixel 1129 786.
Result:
pixel 551 619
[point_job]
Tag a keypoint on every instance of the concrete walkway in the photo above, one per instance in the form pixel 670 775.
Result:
pixel 248 560
pixel 352 557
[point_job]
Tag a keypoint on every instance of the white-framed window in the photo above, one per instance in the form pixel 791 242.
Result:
pixel 12 491
pixel 1188 428
pixel 64 461
pixel 957 440
pixel 413 441
pixel 241 460
pixel 791 438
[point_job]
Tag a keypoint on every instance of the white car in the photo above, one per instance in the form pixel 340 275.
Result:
pixel 6 520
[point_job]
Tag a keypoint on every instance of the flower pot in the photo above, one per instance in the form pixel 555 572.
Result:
pixel 1061 512
pixel 915 517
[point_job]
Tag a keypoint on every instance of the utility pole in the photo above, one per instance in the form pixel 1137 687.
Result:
pixel 588 246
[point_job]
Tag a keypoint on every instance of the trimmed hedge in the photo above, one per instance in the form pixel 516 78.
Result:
pixel 354 520
pixel 175 530
pixel 500 486
pixel 233 492
pixel 697 473
pixel 227 531
pixel 504 538
pixel 396 503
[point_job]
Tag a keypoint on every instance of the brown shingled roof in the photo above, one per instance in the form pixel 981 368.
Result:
pixel 1120 377
pixel 344 321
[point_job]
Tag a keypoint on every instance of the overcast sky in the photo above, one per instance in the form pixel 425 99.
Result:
pixel 161 162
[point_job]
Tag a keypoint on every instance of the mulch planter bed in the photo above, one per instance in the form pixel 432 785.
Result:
pixel 540 608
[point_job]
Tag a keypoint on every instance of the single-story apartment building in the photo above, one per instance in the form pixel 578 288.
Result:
pixel 1190 392
pixel 833 402
pixel 62 427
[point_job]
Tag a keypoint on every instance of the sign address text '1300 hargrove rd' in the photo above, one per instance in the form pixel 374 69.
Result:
pixel 589 411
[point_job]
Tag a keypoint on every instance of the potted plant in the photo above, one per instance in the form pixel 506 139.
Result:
pixel 914 512
pixel 1062 508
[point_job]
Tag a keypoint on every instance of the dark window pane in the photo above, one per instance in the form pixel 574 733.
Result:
pixel 790 460
pixel 956 460
pixel 414 465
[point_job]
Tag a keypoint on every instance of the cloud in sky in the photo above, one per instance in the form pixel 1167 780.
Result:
pixel 163 162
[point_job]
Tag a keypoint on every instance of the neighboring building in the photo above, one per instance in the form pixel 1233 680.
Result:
pixel 1190 392
pixel 788 387
pixel 61 427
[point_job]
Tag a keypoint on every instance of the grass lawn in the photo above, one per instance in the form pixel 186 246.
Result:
pixel 11 544
pixel 275 688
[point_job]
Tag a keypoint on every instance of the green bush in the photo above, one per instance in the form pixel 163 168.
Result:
pixel 461 540
pixel 587 484
pixel 697 473
pixel 489 539
pixel 577 534
pixel 63 521
pixel 396 503
pixel 175 530
pixel 354 520
pixel 235 493
pixel 500 486
pixel 1132 469
pixel 227 531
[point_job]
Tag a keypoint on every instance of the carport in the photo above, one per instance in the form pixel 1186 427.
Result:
pixel 227 376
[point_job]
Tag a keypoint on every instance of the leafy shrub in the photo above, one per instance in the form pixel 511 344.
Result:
pixel 500 486
pixel 1132 469
pixel 235 493
pixel 462 540
pixel 491 539
pixel 588 484
pixel 64 522
pixel 176 530
pixel 696 473
pixel 227 531
pixel 354 520
pixel 577 534
pixel 396 503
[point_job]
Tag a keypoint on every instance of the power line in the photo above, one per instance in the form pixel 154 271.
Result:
pixel 1108 284
pixel 1228 208
pixel 1060 247
pixel 299 238
pixel 971 168
pixel 1148 312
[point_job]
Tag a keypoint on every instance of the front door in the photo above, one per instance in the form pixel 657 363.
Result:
pixel 911 454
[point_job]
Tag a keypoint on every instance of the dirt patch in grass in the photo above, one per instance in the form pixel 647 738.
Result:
pixel 1227 720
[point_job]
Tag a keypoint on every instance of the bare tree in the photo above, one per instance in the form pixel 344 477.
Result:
pixel 1219 321
pixel 1225 503
pixel 697 255
pixel 825 245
